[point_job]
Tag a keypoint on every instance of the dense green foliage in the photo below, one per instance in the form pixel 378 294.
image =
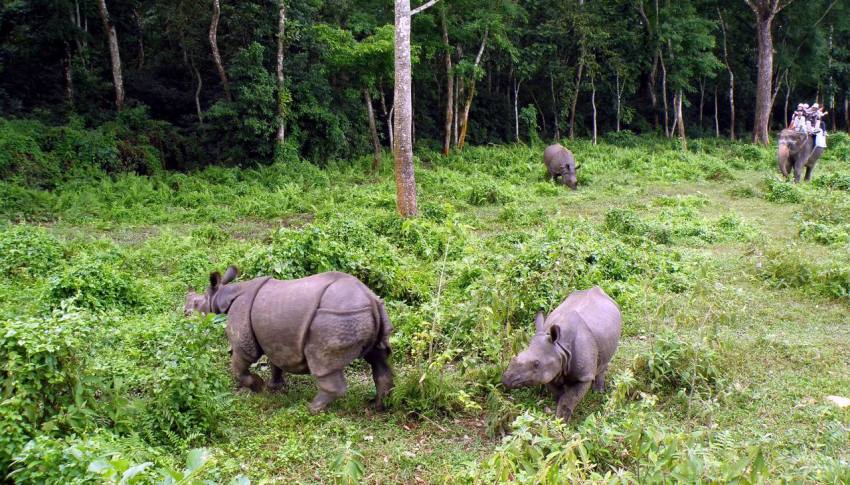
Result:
pixel 732 293
pixel 624 60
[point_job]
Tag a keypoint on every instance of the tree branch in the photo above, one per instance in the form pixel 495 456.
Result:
pixel 422 7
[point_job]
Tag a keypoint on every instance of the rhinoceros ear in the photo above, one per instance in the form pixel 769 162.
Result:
pixel 539 320
pixel 230 275
pixel 554 333
pixel 215 280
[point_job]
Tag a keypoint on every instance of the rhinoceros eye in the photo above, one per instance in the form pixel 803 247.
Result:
pixel 536 364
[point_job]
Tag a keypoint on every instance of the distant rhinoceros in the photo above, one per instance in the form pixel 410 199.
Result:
pixel 317 325
pixel 560 162
pixel 570 350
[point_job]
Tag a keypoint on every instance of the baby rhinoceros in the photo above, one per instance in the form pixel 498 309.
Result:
pixel 316 325
pixel 570 350
pixel 560 162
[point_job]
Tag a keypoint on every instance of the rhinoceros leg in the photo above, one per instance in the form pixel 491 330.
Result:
pixel 277 381
pixel 599 381
pixel 240 366
pixel 382 374
pixel 570 398
pixel 331 386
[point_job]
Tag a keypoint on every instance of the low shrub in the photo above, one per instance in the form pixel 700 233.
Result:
pixel 185 398
pixel 42 379
pixel 825 233
pixel 486 192
pixel 338 245
pixel 94 283
pixel 28 251
pixel 674 364
pixel 781 191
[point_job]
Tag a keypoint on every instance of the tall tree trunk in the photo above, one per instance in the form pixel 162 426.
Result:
pixel 68 72
pixel 574 101
pixel 731 78
pixel 847 111
pixel 731 106
pixel 373 130
pixel 834 112
pixel 281 87
pixel 141 38
pixel 114 54
pixel 516 109
pixel 555 107
pixel 450 89
pixel 222 75
pixel 190 62
pixel 458 90
pixel 701 99
pixel 387 116
pixel 653 75
pixel 764 20
pixel 664 95
pixel 464 127
pixel 593 103
pixel 787 100
pixel 681 119
pixel 716 114
pixel 403 120
pixel 619 98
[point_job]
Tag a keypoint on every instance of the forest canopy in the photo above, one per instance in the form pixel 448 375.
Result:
pixel 238 83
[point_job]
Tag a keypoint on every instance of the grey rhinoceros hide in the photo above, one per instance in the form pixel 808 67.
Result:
pixel 570 350
pixel 318 324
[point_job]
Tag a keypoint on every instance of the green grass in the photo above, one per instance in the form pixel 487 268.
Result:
pixel 733 285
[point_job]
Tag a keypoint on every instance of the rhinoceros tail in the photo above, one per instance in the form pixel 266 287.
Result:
pixel 385 327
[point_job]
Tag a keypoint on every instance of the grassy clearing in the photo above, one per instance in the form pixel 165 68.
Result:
pixel 734 288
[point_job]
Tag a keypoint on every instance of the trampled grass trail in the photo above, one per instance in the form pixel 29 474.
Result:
pixel 734 286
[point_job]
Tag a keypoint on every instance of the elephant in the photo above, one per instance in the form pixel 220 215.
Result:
pixel 317 325
pixel 561 162
pixel 795 150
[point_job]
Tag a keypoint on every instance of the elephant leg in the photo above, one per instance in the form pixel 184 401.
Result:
pixel 783 169
pixel 809 170
pixel 240 366
pixel 331 386
pixel 798 171
pixel 277 383
pixel 599 381
pixel 572 395
pixel 382 374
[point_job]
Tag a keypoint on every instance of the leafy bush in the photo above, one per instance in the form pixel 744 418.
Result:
pixel 28 251
pixel 22 160
pixel 346 246
pixel 186 396
pixel 825 233
pixel 626 445
pixel 794 269
pixel 66 460
pixel 96 284
pixel 781 191
pixel 485 192
pixel 42 379
pixel 673 364
pixel 834 181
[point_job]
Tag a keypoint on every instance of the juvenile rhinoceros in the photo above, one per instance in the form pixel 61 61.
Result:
pixel 317 325
pixel 560 162
pixel 570 350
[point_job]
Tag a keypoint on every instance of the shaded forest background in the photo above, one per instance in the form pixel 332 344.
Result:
pixel 546 69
